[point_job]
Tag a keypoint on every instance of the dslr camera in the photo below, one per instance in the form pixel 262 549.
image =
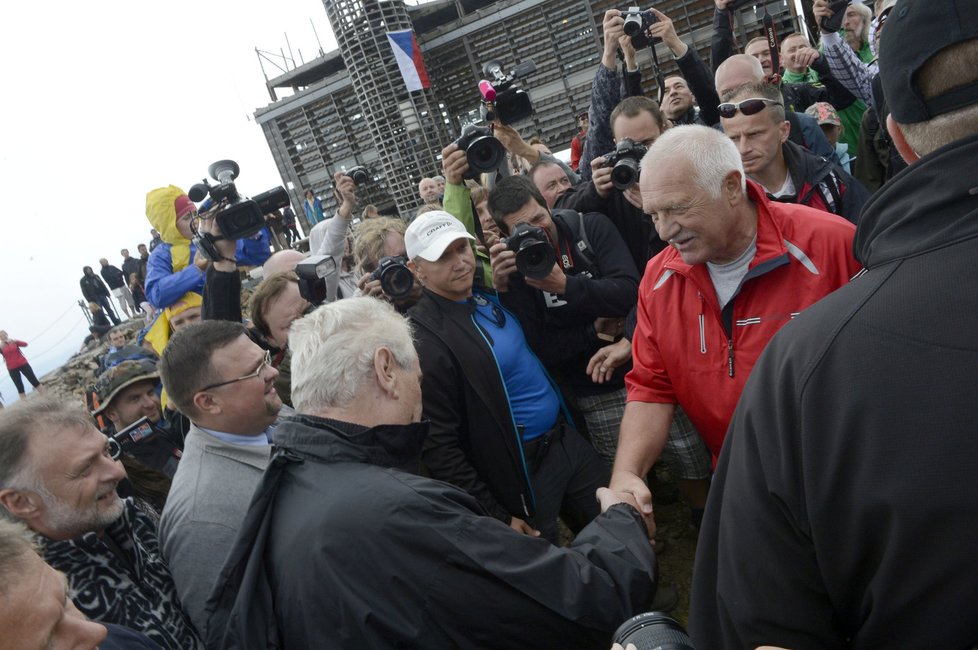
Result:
pixel 535 256
pixel 501 99
pixel 395 277
pixel 637 24
pixel 237 216
pixel 625 162
pixel 483 151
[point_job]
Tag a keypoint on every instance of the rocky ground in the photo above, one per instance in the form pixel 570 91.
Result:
pixel 70 380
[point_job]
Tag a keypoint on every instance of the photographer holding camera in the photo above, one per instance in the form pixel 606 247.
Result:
pixel 380 256
pixel 329 237
pixel 570 281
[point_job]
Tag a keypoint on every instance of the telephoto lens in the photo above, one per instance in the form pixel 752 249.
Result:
pixel 653 631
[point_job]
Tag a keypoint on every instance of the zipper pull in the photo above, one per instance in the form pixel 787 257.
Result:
pixel 730 357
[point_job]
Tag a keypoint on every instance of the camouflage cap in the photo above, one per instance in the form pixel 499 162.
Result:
pixel 121 376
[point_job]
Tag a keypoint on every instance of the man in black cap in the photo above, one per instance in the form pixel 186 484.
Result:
pixel 844 494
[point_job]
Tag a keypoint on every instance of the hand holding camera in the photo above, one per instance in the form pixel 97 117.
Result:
pixel 346 193
pixel 454 164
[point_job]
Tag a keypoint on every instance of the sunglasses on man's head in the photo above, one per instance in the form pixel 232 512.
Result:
pixel 750 106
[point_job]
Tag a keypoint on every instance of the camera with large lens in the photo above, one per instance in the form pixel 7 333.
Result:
pixel 501 99
pixel 625 162
pixel 637 24
pixel 483 151
pixel 312 273
pixel 395 277
pixel 237 216
pixel 359 174
pixel 535 256
pixel 653 630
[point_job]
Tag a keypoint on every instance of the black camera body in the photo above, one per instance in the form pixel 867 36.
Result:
pixel 237 216
pixel 833 23
pixel 535 256
pixel 483 151
pixel 508 104
pixel 395 277
pixel 359 174
pixel 312 273
pixel 636 25
pixel 625 162
pixel 120 442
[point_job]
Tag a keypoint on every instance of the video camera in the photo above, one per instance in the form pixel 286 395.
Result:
pixel 312 273
pixel 237 216
pixel 637 24
pixel 626 163
pixel 395 277
pixel 501 99
pixel 535 256
pixel 141 429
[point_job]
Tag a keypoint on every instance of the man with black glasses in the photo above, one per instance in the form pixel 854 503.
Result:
pixel 753 117
pixel 230 398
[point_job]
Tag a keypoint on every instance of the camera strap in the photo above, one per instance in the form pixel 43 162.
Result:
pixel 660 79
pixel 771 34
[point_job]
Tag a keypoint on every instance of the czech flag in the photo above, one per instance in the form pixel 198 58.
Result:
pixel 409 60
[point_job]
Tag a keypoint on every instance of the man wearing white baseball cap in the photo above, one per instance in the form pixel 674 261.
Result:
pixel 499 429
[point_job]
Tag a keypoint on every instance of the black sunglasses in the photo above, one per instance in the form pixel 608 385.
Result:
pixel 750 106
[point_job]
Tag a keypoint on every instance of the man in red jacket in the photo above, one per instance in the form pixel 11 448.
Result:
pixel 739 267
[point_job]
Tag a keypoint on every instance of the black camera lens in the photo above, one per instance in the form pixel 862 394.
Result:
pixel 535 256
pixel 397 281
pixel 633 24
pixel 359 175
pixel 653 631
pixel 625 173
pixel 484 154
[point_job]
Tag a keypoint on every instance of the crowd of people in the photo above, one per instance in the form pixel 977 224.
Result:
pixel 378 448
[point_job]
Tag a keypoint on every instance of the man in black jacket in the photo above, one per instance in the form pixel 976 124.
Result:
pixel 95 291
pixel 842 511
pixel 345 546
pixel 119 286
pixel 579 306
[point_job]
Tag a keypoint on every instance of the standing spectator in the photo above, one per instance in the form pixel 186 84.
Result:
pixel 288 226
pixel 577 142
pixel 314 208
pixel 130 265
pixel 156 241
pixel 95 291
pixel 143 261
pixel 116 280
pixel 17 365
pixel 138 294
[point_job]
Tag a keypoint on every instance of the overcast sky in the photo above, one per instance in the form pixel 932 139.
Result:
pixel 105 101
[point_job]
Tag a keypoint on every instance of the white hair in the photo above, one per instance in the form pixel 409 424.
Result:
pixel 710 154
pixel 333 350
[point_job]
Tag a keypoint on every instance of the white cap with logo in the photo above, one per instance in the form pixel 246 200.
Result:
pixel 431 233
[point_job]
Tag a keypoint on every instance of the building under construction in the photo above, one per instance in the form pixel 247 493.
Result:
pixel 350 107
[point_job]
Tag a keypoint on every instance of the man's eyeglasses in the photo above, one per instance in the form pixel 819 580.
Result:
pixel 267 361
pixel 750 106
